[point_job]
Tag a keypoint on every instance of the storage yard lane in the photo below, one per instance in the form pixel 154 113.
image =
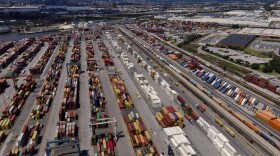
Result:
pixel 124 147
pixel 159 137
pixel 53 117
pixel 84 110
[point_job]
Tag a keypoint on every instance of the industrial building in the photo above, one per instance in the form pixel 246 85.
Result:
pixel 236 41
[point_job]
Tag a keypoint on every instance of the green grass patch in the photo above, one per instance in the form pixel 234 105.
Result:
pixel 261 70
pixel 255 53
pixel 224 64
pixel 190 47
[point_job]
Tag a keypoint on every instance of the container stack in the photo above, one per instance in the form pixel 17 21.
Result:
pixel 76 52
pixel 44 98
pixel 97 100
pixel 61 53
pixel 65 129
pixel 169 117
pixel 11 111
pixel 66 126
pixel 123 97
pixel 89 50
pixel 269 119
pixel 29 134
pixel 178 140
pixel 104 144
pixel 42 62
pixel 137 130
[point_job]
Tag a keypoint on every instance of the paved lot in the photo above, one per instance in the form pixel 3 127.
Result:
pixel 266 46
pixel 234 54
pixel 84 110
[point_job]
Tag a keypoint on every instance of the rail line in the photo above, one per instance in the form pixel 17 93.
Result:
pixel 240 127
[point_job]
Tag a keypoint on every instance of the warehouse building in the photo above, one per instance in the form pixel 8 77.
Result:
pixel 236 41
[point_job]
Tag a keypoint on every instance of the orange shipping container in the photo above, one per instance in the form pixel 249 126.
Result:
pixel 251 126
pixel 265 116
pixel 238 117
pixel 275 124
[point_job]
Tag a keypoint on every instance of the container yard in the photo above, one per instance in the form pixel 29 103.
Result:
pixel 122 91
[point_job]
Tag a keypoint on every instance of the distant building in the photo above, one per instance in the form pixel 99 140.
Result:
pixel 236 41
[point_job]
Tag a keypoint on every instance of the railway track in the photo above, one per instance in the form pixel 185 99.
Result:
pixel 272 132
pixel 240 127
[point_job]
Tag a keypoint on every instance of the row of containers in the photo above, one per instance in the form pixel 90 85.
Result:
pixel 11 111
pixel 27 55
pixel 103 141
pixel 43 60
pixel 92 64
pixel 11 50
pixel 263 83
pixel 29 136
pixel 239 96
pixel 66 126
pixel 105 54
pixel 179 141
pixel 169 117
pixel 27 140
pixel 148 90
pixel 156 77
pixel 44 98
pixel 139 136
pixel 242 99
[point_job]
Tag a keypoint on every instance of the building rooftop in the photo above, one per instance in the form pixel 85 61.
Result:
pixel 237 40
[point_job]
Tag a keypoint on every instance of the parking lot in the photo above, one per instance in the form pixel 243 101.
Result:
pixel 211 39
pixel 234 54
pixel 266 46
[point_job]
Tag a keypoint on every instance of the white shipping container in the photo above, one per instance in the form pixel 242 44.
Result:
pixel 181 139
pixel 236 98
pixel 189 150
pixel 173 143
pixel 230 149
pixel 217 145
pixel 182 151
pixel 222 139
pixel 225 152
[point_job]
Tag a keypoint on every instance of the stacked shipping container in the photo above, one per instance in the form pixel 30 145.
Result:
pixel 169 117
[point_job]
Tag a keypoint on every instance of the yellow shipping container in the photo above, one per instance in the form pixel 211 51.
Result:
pixel 19 107
pixel 180 116
pixel 147 135
pixel 1 124
pixel 158 118
pixel 34 136
pixel 152 151
pixel 137 122
pixel 7 124
pixel 104 144
pixel 138 152
pixel 142 140
pixel 160 115
pixel 130 117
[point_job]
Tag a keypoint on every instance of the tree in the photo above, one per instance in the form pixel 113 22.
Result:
pixel 238 61
pixel 267 69
pixel 255 66
pixel 277 69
